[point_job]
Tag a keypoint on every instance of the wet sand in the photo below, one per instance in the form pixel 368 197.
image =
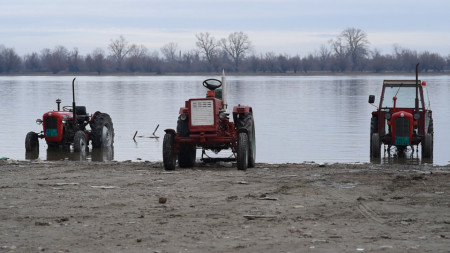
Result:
pixel 68 206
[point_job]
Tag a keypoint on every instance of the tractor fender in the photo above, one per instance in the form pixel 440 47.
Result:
pixel 170 131
pixel 241 109
pixel 183 110
pixel 93 116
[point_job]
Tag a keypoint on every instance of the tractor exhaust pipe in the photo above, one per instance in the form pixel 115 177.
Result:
pixel 224 90
pixel 417 88
pixel 73 101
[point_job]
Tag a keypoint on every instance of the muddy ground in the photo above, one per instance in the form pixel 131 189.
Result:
pixel 115 207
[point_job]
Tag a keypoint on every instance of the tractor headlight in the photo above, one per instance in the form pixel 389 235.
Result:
pixel 222 115
pixel 64 119
pixel 387 116
pixel 39 121
pixel 416 116
pixel 183 116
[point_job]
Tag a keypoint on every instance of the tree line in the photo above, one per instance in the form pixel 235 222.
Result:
pixel 348 52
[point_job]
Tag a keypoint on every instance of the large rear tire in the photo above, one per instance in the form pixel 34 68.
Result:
pixel 169 157
pixel 102 131
pixel 246 121
pixel 187 152
pixel 187 155
pixel 242 151
pixel 427 146
pixel 375 146
pixel 79 142
pixel 32 142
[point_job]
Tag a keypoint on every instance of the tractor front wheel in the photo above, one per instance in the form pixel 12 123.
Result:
pixel 102 131
pixel 242 151
pixel 427 146
pixel 79 142
pixel 169 157
pixel 32 142
pixel 375 146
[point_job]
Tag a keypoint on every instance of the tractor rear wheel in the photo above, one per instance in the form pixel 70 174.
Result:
pixel 246 121
pixel 169 157
pixel 186 155
pixel 79 142
pixel 102 131
pixel 242 151
pixel 32 142
pixel 427 146
pixel 375 146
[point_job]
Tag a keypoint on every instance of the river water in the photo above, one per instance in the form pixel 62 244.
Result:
pixel 298 119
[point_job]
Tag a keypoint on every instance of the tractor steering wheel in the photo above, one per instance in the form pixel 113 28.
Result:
pixel 212 84
pixel 67 108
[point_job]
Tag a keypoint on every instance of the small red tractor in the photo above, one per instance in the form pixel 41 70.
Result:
pixel 403 118
pixel 204 123
pixel 69 127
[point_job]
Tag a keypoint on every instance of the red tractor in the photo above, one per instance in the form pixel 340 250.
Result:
pixel 403 118
pixel 204 123
pixel 69 127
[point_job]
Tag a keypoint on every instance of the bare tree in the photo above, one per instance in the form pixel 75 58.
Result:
pixel 55 60
pixel 340 59
pixel 32 62
pixel 96 61
pixel 74 61
pixel 207 45
pixel 357 44
pixel 9 60
pixel 136 58
pixel 324 57
pixel 169 51
pixel 119 50
pixel 236 46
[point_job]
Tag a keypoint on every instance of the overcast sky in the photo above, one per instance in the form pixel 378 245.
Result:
pixel 280 26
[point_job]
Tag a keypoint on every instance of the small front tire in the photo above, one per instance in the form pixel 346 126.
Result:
pixel 169 157
pixel 375 146
pixel 32 142
pixel 79 142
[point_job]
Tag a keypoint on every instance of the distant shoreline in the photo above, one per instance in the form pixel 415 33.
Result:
pixel 311 73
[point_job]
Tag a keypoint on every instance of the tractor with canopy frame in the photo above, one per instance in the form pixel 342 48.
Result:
pixel 403 118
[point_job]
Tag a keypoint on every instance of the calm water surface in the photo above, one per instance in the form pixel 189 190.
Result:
pixel 298 119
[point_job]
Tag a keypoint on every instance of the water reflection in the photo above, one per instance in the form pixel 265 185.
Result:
pixel 65 153
pixel 408 156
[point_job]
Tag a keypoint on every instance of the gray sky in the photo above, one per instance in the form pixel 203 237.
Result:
pixel 280 26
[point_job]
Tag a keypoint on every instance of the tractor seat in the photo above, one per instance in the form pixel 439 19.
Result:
pixel 80 110
pixel 81 114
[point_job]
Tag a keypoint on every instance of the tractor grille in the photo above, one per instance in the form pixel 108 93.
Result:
pixel 402 127
pixel 202 112
pixel 51 124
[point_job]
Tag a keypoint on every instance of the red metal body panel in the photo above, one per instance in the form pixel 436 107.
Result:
pixel 217 103
pixel 59 115
pixel 402 114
